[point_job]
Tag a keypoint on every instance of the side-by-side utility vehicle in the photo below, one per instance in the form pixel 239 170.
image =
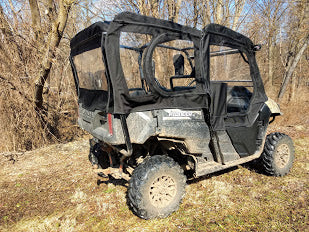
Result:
pixel 166 103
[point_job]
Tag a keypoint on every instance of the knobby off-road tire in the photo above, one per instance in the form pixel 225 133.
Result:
pixel 98 157
pixel 156 187
pixel 278 155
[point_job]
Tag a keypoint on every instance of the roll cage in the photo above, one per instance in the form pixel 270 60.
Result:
pixel 116 99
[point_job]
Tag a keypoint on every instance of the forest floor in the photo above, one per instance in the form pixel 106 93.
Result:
pixel 54 189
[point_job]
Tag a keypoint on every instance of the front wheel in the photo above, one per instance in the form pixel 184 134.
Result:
pixel 278 155
pixel 156 187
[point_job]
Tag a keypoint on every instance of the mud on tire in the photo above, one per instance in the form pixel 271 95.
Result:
pixel 278 155
pixel 156 187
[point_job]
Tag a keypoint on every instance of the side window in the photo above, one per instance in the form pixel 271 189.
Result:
pixel 231 66
pixel 132 46
pixel 91 70
pixel 173 64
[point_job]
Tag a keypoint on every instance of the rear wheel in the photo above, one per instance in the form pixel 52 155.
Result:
pixel 278 156
pixel 156 187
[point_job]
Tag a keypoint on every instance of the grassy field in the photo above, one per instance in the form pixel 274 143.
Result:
pixel 54 189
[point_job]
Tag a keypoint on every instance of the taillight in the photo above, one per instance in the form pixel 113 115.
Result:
pixel 110 124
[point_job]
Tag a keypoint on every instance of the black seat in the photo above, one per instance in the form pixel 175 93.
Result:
pixel 238 99
pixel 179 64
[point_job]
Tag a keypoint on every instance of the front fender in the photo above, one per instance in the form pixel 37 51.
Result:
pixel 274 107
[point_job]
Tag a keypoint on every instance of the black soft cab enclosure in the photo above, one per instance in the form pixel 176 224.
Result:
pixel 89 68
pixel 98 54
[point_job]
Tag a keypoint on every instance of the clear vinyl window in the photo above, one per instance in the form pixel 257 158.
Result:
pixel 231 66
pixel 91 70
pixel 132 47
pixel 173 64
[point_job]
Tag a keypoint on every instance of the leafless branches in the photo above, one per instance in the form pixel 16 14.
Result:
pixel 37 95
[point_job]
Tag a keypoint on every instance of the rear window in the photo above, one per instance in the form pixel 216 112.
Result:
pixel 91 70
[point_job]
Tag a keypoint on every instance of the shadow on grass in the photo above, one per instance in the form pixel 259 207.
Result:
pixel 255 166
pixel 209 176
pixel 112 180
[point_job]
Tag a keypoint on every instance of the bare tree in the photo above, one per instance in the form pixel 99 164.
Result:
pixel 225 12
pixel 271 14
pixel 36 17
pixel 54 38
pixel 298 42
pixel 291 67
pixel 34 45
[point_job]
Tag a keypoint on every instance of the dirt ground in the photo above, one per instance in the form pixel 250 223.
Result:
pixel 55 189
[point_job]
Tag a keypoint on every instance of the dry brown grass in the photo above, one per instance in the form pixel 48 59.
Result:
pixel 54 189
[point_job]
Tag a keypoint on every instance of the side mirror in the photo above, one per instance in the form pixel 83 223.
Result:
pixel 257 47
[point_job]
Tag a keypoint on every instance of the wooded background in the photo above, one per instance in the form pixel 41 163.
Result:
pixel 37 94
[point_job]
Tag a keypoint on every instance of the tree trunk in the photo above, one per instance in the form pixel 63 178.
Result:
pixel 269 82
pixel 142 7
pixel 36 18
pixel 54 40
pixel 219 12
pixel 195 13
pixel 239 6
pixel 154 8
pixel 173 10
pixel 293 86
pixel 206 14
pixel 290 69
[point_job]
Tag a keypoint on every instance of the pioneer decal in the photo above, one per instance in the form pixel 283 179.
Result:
pixel 176 114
